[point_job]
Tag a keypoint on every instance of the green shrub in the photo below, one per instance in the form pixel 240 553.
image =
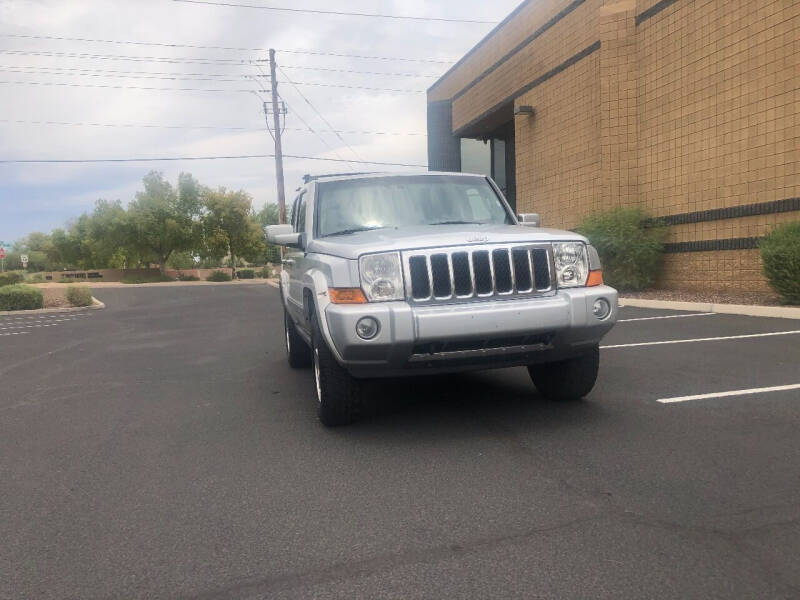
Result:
pixel 219 276
pixel 780 255
pixel 187 277
pixel 20 297
pixel 35 278
pixel 79 295
pixel 265 272
pixel 11 277
pixel 157 278
pixel 630 247
pixel 246 274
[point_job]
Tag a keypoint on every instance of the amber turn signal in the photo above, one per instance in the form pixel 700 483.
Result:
pixel 347 296
pixel 595 278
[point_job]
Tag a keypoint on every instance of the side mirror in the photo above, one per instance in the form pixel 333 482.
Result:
pixel 283 235
pixel 529 219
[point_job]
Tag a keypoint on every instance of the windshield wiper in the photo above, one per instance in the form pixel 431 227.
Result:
pixel 456 223
pixel 353 230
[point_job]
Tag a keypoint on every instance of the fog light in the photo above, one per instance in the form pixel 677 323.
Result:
pixel 367 328
pixel 601 308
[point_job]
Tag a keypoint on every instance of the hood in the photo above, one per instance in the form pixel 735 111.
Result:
pixel 435 236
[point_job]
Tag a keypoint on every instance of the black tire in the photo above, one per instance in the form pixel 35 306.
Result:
pixel 338 392
pixel 297 351
pixel 568 379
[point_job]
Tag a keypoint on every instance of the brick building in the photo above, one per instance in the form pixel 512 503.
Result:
pixel 689 109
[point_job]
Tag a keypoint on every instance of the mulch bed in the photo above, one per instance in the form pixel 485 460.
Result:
pixel 752 298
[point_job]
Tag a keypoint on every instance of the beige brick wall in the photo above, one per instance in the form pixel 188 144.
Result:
pixel 535 14
pixel 718 104
pixel 565 39
pixel 558 151
pixel 696 108
pixel 735 271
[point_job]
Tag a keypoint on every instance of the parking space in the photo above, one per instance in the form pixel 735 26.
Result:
pixel 20 324
pixel 163 448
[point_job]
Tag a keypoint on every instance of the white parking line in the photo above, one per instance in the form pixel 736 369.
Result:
pixel 23 326
pixel 705 314
pixel 776 388
pixel 711 339
pixel 15 333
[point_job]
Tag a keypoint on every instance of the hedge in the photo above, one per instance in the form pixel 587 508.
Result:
pixel 219 276
pixel 10 278
pixel 246 274
pixel 20 297
pixel 780 256
pixel 630 247
pixel 79 295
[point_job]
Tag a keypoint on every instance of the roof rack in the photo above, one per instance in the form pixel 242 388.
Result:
pixel 307 178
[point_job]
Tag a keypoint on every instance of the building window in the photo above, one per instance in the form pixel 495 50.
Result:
pixel 476 157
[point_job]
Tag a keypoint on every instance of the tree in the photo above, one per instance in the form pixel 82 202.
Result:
pixel 230 226
pixel 162 219
pixel 269 215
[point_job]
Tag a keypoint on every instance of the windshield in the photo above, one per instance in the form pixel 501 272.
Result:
pixel 373 203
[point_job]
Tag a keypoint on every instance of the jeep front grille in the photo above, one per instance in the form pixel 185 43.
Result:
pixel 463 273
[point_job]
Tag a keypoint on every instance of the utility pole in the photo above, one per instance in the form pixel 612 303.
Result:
pixel 276 119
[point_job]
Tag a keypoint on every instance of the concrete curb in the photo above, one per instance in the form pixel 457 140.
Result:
pixel 96 305
pixel 102 285
pixel 273 283
pixel 780 312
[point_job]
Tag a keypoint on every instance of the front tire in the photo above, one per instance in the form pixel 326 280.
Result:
pixel 297 351
pixel 567 380
pixel 339 394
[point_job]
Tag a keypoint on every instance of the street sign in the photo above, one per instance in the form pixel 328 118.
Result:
pixel 2 253
pixel 24 259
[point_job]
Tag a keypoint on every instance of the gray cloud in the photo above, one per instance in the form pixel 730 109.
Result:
pixel 45 196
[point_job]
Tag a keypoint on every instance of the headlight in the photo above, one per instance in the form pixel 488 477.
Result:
pixel 572 264
pixel 381 276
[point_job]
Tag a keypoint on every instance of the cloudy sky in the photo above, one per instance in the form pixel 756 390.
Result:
pixel 198 122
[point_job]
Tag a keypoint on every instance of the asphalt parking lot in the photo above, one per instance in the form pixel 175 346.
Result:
pixel 162 448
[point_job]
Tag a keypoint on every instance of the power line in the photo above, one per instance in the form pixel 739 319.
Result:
pixel 302 120
pixel 366 57
pixel 179 158
pixel 162 59
pixel 210 127
pixel 231 48
pixel 172 73
pixel 352 87
pixel 319 114
pixel 50 72
pixel 337 13
pixel 113 71
pixel 360 72
pixel 123 87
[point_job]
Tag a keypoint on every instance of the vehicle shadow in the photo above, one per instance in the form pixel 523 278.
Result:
pixel 505 398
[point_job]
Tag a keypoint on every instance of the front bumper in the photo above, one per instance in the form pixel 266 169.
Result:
pixel 475 335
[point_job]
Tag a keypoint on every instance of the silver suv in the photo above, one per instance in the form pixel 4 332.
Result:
pixel 389 275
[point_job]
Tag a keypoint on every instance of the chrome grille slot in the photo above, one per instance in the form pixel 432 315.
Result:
pixel 522 269
pixel 503 281
pixel 420 284
pixel 482 271
pixel 541 269
pixel 462 280
pixel 440 273
pixel 481 265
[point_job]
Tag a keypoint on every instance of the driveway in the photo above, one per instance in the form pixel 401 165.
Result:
pixel 162 448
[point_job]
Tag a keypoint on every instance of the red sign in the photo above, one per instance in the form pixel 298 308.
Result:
pixel 2 252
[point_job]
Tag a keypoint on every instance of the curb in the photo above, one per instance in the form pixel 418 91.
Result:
pixel 273 283
pixel 96 305
pixel 780 312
